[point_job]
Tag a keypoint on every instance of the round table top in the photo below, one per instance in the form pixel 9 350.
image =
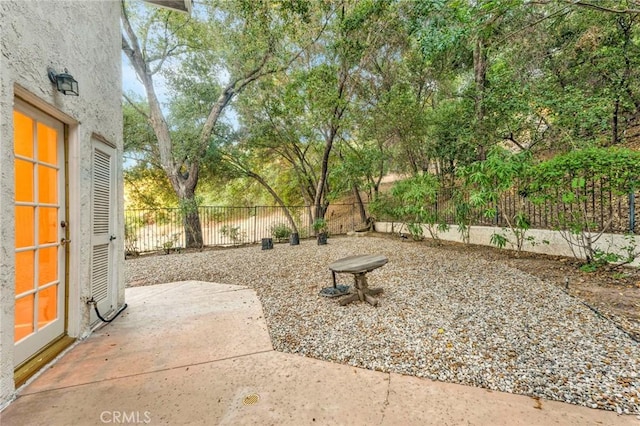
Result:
pixel 359 263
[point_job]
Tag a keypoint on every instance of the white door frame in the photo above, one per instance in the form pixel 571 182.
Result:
pixel 31 345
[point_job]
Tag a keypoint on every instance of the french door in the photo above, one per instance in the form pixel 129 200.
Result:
pixel 40 230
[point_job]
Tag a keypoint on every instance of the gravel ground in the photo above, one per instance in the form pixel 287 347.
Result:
pixel 445 317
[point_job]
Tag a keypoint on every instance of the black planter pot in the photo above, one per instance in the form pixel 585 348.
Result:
pixel 322 238
pixel 294 239
pixel 267 243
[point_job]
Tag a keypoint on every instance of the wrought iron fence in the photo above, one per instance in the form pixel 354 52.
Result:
pixel 163 229
pixel 602 208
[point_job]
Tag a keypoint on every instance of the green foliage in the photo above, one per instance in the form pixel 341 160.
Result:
pixel 320 225
pixel 416 231
pixel 567 176
pixel 280 231
pixel 130 238
pixel 168 243
pixel 570 172
pixel 613 257
pixel 591 76
pixel 451 135
pixel 489 181
pixel 498 240
pixel 462 214
pixel 147 188
pixel 233 233
pixel 360 166
pixel 383 207
pixel 414 86
pixel 415 204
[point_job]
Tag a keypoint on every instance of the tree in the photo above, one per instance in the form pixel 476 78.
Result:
pixel 301 116
pixel 493 184
pixel 223 47
pixel 590 85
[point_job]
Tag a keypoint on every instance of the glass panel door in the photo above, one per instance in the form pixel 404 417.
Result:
pixel 39 212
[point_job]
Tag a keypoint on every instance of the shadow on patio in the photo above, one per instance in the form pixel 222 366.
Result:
pixel 200 353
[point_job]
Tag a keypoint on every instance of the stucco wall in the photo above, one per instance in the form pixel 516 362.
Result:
pixel 83 37
pixel 555 244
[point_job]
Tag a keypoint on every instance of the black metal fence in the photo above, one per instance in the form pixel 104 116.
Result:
pixel 599 206
pixel 162 229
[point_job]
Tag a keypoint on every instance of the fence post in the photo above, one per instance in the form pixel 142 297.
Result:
pixel 353 218
pixel 632 211
pixel 255 224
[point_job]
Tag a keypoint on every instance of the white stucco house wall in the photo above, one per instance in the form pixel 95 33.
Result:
pixel 61 189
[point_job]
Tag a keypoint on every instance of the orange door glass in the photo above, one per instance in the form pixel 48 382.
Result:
pixel 37 211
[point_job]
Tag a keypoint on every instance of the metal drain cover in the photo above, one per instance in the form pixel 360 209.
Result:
pixel 251 399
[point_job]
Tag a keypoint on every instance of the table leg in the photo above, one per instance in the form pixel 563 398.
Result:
pixel 371 300
pixel 363 291
pixel 350 298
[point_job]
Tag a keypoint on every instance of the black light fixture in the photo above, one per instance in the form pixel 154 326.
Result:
pixel 64 82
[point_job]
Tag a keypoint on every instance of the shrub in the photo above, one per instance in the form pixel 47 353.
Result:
pixel 489 181
pixel 565 179
pixel 415 205
pixel 280 231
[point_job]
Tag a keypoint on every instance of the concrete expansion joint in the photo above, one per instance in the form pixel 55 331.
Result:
pixel 385 404
pixel 128 376
pixel 234 290
pixel 212 361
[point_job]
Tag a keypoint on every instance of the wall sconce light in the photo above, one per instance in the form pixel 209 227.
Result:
pixel 63 81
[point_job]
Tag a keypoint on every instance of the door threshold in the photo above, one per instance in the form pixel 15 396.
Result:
pixel 39 360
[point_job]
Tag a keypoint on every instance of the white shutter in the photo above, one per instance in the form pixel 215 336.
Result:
pixel 102 185
pixel 101 191
pixel 100 272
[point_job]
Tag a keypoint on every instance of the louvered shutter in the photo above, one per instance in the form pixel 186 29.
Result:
pixel 101 222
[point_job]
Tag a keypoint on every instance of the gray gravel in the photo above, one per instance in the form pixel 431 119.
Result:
pixel 454 319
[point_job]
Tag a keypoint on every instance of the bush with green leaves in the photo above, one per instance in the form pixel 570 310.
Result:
pixel 131 238
pixel 320 225
pixel 566 178
pixel 281 231
pixel 169 243
pixel 416 205
pixel 383 207
pixel 233 233
pixel 489 182
pixel 462 214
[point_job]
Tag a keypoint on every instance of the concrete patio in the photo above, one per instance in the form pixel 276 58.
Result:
pixel 200 353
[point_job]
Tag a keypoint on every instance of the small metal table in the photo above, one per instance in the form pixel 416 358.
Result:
pixel 359 266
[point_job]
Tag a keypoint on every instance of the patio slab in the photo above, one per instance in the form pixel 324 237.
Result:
pixel 200 353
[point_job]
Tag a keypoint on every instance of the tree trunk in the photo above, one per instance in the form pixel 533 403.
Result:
pixel 480 74
pixel 361 209
pixel 320 209
pixel 192 228
pixel 185 189
pixel 276 197
pixel 614 121
pixel 321 189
